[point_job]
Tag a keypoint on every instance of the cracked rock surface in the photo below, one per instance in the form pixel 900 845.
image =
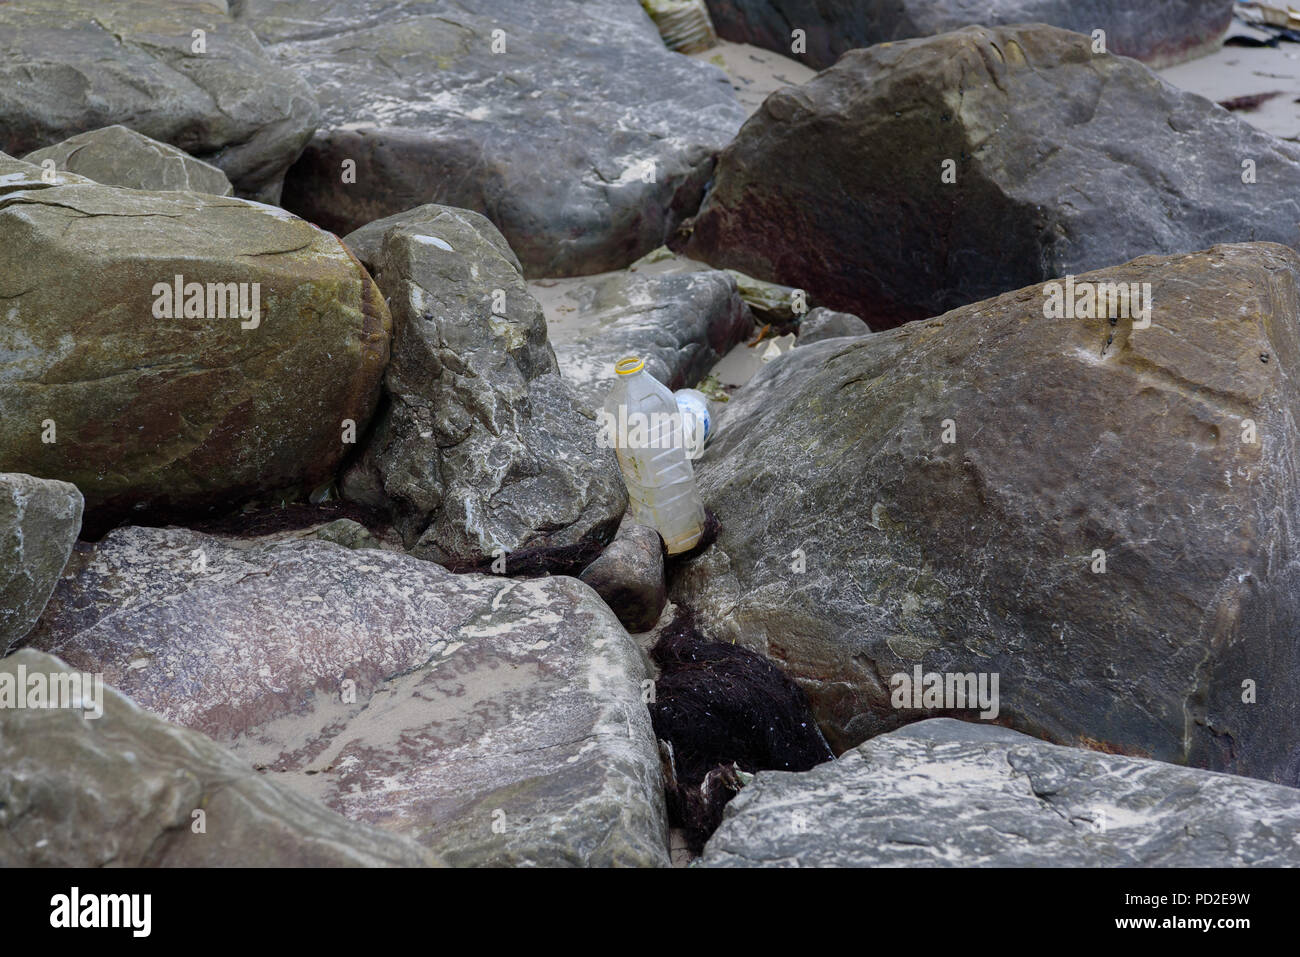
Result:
pixel 490 720
pixel 945 793
pixel 69 66
pixel 122 789
pixel 161 416
pixel 481 446
pixel 568 123
pixel 1111 529
pixel 39 521
pixel 118 156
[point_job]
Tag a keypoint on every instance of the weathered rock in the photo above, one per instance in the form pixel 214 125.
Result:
pixel 118 156
pixel 154 415
pixel 340 531
pixel 1159 32
pixel 346 532
pixel 946 793
pixel 39 521
pixel 121 789
pixel 858 544
pixel 629 577
pixel 680 323
pixel 1062 162
pixel 582 137
pixel 480 448
pixel 68 66
pixel 443 707
pixel 823 323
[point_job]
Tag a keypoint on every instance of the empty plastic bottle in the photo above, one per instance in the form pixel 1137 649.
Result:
pixel 644 425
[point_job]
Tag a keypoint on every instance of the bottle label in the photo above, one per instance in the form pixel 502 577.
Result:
pixel 652 430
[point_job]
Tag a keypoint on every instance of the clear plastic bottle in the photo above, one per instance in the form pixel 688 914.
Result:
pixel 645 426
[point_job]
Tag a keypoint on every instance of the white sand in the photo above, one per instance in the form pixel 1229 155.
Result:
pixel 1244 71
pixel 755 73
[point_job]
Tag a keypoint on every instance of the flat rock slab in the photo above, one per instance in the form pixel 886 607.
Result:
pixel 127 789
pixel 581 137
pixel 1089 510
pixel 945 793
pixel 159 404
pixel 492 721
pixel 39 521
pixel 69 66
pixel 1028 157
pixel 119 156
pixel 1158 32
pixel 681 324
pixel 482 455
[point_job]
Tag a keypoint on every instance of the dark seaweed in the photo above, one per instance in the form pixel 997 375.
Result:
pixel 719 704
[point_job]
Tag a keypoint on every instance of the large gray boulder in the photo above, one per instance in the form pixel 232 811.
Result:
pixel 39 521
pixel 681 324
pixel 1095 511
pixel 1159 32
pixel 491 720
pixel 158 404
pixel 123 788
pixel 69 66
pixel 916 177
pixel 944 793
pixel 119 156
pixel 480 454
pixel 581 137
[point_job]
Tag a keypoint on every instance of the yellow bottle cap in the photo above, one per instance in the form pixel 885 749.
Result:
pixel 629 365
